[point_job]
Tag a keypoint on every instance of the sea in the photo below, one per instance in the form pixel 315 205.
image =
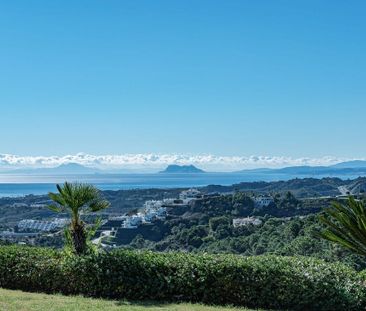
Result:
pixel 22 185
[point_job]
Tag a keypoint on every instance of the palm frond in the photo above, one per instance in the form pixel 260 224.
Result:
pixel 97 206
pixel 56 197
pixel 346 225
pixel 92 230
pixel 54 208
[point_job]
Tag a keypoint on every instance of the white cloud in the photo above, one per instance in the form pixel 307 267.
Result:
pixel 154 161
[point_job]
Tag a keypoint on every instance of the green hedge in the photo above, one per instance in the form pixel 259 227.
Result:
pixel 259 282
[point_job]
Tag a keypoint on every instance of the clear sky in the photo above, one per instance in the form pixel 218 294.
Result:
pixel 284 78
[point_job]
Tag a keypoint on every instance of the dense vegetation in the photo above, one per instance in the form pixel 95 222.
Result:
pixel 290 227
pixel 207 227
pixel 300 187
pixel 260 281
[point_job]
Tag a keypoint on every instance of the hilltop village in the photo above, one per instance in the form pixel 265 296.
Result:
pixel 150 219
pixel 121 229
pixel 154 210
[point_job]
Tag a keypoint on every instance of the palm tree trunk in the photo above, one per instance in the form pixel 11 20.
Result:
pixel 79 238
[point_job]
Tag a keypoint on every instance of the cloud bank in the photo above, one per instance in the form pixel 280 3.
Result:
pixel 152 162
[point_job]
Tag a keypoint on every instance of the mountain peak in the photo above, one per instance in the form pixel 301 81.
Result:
pixel 71 165
pixel 182 169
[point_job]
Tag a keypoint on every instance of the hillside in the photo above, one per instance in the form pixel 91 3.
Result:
pixel 123 201
pixel 300 187
pixel 206 224
pixel 288 227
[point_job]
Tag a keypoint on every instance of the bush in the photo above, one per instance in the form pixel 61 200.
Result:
pixel 296 283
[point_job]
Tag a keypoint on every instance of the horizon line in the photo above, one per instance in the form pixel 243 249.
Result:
pixel 151 161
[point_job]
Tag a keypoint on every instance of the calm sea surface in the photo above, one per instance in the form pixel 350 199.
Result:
pixel 20 185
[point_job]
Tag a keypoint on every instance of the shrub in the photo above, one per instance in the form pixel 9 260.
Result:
pixel 296 283
pixel 32 269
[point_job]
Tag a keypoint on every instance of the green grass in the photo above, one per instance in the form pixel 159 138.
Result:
pixel 20 301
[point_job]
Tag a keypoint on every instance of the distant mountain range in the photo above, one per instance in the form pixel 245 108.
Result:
pixel 343 169
pixel 78 169
pixel 351 164
pixel 63 169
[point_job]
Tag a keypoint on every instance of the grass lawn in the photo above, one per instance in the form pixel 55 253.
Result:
pixel 20 301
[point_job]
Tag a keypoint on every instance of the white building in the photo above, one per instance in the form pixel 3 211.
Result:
pixel 149 216
pixel 39 225
pixel 38 205
pixel 154 210
pixel 61 222
pixel 132 222
pixel 189 195
pixel 153 204
pixel 238 222
pixel 118 218
pixel 169 201
pixel 263 201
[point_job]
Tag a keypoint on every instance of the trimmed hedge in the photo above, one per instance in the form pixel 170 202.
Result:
pixel 295 283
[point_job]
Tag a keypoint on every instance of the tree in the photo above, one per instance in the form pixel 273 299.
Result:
pixel 77 199
pixel 346 225
pixel 214 222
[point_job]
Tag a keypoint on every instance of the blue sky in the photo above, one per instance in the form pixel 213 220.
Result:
pixel 276 78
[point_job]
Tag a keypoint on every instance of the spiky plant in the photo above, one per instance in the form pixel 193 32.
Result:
pixel 77 199
pixel 346 225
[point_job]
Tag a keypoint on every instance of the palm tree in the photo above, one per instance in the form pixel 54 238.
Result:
pixel 346 225
pixel 77 199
